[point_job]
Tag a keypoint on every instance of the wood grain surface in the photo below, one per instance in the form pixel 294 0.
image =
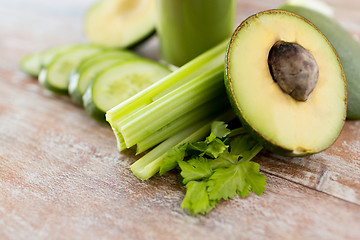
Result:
pixel 61 176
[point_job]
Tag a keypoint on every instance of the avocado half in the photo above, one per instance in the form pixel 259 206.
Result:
pixel 120 23
pixel 286 83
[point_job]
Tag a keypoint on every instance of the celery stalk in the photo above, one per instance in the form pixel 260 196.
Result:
pixel 177 109
pixel 205 62
pixel 204 111
pixel 149 164
pixel 181 101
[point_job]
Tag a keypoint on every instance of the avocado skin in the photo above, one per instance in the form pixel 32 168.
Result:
pixel 347 48
pixel 142 39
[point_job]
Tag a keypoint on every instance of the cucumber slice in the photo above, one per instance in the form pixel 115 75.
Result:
pixel 33 62
pixel 120 23
pixel 55 76
pixel 49 54
pixel 82 76
pixel 94 58
pixel 119 82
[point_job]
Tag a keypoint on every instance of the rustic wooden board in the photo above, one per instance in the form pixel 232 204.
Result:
pixel 61 176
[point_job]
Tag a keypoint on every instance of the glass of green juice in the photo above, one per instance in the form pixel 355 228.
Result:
pixel 187 28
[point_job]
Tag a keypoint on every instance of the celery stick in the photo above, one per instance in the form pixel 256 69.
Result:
pixel 206 110
pixel 119 140
pixel 181 101
pixel 149 164
pixel 238 131
pixel 205 62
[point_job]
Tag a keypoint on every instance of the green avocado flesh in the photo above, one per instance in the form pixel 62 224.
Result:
pixel 120 23
pixel 284 124
pixel 346 47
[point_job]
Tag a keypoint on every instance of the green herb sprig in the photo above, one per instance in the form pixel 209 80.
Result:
pixel 217 168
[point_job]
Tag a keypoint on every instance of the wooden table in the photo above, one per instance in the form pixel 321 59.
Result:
pixel 61 176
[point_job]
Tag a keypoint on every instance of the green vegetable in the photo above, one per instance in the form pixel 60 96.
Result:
pixel 55 76
pixel 173 116
pixel 85 72
pixel 120 81
pixel 215 169
pixel 187 89
pixel 157 160
pixel 33 63
pixel 209 109
pixel 180 101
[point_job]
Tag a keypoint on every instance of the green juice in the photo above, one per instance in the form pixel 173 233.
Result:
pixel 187 28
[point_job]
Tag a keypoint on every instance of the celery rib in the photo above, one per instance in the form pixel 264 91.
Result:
pixel 121 113
pixel 209 60
pixel 208 109
pixel 149 164
pixel 177 109
pixel 181 101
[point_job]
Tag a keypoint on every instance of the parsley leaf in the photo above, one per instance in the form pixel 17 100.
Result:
pixel 218 168
pixel 196 199
pixel 196 168
pixel 218 130
pixel 240 144
pixel 224 160
pixel 253 177
pixel 170 161
pixel 215 148
pixel 239 179
pixel 226 182
pixel 196 148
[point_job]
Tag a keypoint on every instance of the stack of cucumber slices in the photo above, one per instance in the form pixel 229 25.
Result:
pixel 96 77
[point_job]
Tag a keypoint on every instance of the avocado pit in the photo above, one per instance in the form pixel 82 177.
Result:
pixel 294 69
